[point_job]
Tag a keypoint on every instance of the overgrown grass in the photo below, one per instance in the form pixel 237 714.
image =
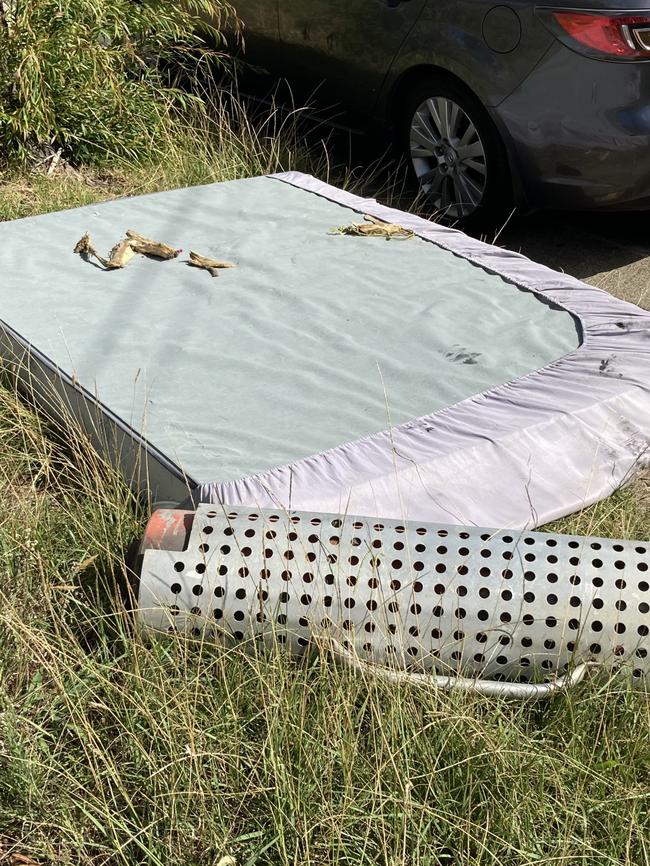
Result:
pixel 220 144
pixel 117 751
pixel 90 77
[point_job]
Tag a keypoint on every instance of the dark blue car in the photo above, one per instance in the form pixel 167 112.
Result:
pixel 492 103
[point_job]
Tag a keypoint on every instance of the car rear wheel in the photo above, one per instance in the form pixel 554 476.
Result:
pixel 455 156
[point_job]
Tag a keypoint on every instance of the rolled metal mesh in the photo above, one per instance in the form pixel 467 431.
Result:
pixel 502 605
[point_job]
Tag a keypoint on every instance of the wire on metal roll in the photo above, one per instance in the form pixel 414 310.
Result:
pixel 452 606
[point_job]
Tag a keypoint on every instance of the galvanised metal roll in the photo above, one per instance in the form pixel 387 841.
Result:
pixel 424 600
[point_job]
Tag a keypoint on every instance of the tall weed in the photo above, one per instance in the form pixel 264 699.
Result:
pixel 89 76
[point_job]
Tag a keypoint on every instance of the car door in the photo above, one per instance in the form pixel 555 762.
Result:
pixel 342 49
pixel 261 30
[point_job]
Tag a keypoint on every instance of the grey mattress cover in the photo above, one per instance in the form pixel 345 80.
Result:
pixel 315 339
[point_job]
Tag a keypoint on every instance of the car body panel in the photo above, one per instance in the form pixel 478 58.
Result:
pixel 460 47
pixel 580 129
pixel 261 31
pixel 576 129
pixel 343 49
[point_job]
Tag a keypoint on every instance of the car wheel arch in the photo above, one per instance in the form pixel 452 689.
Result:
pixel 413 75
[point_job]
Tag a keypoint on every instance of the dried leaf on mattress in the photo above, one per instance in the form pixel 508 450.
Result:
pixel 211 265
pixel 85 249
pixel 120 255
pixel 375 228
pixel 147 247
pixel 125 250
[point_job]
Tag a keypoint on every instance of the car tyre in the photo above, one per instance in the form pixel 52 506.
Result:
pixel 456 161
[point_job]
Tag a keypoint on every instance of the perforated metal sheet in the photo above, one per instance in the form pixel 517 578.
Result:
pixel 497 604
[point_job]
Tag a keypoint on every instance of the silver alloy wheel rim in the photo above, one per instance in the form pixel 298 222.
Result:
pixel 448 157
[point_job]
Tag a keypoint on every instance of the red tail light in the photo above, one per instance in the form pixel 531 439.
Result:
pixel 618 37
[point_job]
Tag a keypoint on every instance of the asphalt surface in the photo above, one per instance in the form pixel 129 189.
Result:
pixel 608 250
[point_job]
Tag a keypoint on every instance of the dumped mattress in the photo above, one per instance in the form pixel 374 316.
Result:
pixel 434 378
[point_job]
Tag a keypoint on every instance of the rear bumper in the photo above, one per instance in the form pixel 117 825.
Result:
pixel 578 133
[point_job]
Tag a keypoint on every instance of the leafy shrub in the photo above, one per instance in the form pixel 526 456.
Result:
pixel 89 76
